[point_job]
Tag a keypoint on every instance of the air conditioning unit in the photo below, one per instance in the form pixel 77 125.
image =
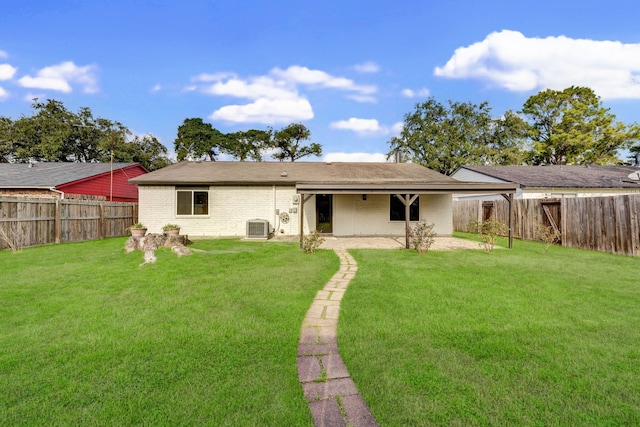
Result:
pixel 257 229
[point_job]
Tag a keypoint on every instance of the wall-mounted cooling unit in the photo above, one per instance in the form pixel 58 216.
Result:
pixel 257 229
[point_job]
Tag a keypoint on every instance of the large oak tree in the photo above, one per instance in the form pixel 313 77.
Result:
pixel 289 141
pixel 571 126
pixel 445 137
pixel 55 134
pixel 198 140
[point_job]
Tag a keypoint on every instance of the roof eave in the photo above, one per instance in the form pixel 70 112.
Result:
pixel 393 188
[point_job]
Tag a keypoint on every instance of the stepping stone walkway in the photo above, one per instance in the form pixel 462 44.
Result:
pixel 332 395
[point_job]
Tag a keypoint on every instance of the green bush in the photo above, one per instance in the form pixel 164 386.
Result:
pixel 312 241
pixel 421 236
pixel 489 231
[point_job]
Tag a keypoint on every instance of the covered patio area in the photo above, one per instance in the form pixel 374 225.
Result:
pixel 406 191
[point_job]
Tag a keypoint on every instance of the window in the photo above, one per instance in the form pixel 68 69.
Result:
pixel 396 209
pixel 193 201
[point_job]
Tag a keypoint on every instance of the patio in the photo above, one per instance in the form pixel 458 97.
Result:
pixel 379 242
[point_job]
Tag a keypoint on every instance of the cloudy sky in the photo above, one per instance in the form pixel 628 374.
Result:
pixel 348 70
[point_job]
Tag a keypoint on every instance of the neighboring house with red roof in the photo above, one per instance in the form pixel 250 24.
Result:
pixel 292 199
pixel 64 180
pixel 540 182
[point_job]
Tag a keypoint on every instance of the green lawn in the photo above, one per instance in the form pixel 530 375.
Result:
pixel 89 338
pixel 509 338
pixel 447 338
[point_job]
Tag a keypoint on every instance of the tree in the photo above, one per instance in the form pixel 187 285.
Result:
pixel 572 127
pixel 55 134
pixel 197 139
pixel 249 144
pixel 508 140
pixel 44 136
pixel 146 150
pixel 288 141
pixel 444 138
pixel 6 140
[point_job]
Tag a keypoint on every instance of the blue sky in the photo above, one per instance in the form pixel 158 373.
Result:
pixel 348 70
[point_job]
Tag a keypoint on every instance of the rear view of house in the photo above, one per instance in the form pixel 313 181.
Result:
pixel 262 198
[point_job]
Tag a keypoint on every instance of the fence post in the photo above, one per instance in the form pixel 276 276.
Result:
pixel 101 222
pixel 563 221
pixel 57 221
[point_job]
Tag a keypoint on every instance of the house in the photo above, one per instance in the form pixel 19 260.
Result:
pixel 64 180
pixel 292 199
pixel 539 182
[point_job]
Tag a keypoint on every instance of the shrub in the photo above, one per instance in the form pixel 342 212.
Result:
pixel 489 231
pixel 421 236
pixel 549 236
pixel 170 227
pixel 13 239
pixel 312 241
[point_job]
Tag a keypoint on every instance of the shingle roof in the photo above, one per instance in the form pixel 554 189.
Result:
pixel 563 176
pixel 316 177
pixel 269 173
pixel 50 174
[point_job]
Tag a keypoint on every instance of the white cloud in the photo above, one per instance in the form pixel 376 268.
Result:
pixel 264 110
pixel 275 97
pixel 364 98
pixel 420 93
pixel 364 127
pixel 7 71
pixel 155 89
pixel 60 78
pixel 367 67
pixel 303 75
pixel 258 87
pixel 355 157
pixel 396 128
pixel 4 94
pixel 3 54
pixel 357 125
pixel 510 60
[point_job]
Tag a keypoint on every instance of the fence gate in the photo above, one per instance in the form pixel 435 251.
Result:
pixel 551 216
pixel 487 210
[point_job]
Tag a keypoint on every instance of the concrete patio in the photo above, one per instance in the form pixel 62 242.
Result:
pixel 379 242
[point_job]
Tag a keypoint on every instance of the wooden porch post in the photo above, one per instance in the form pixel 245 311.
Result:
pixel 407 200
pixel 301 218
pixel 509 198
pixel 407 218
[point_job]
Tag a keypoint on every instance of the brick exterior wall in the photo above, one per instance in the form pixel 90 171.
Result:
pixel 353 216
pixel 231 207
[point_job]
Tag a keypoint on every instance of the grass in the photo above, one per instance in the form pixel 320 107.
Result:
pixel 88 337
pixel 516 337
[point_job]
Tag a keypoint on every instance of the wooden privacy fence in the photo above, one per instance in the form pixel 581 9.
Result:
pixel 606 224
pixel 33 222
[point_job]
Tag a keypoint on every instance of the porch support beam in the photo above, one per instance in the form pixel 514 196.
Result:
pixel 509 198
pixel 407 200
pixel 302 200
